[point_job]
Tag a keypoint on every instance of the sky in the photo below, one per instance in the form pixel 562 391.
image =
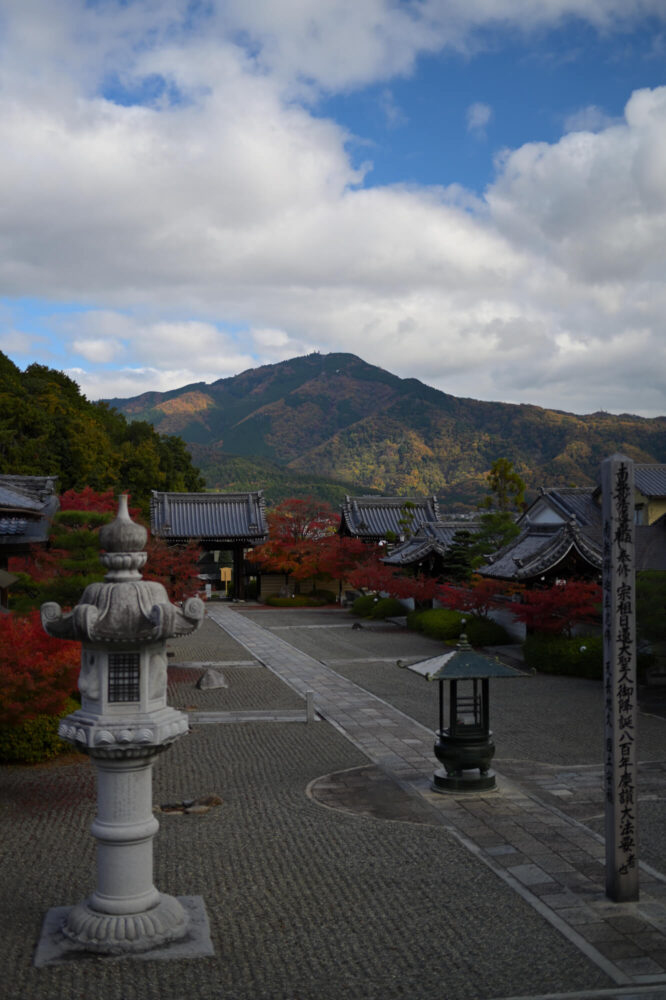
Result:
pixel 467 192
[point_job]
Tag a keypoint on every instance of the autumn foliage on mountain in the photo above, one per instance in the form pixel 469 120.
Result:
pixel 284 427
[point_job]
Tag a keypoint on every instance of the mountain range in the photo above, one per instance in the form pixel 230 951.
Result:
pixel 330 424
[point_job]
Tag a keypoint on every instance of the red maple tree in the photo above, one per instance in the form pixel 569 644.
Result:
pixel 376 577
pixel 477 597
pixel 297 532
pixel 89 499
pixel 37 672
pixel 174 566
pixel 558 608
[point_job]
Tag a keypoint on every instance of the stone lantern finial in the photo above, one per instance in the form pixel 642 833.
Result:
pixel 123 541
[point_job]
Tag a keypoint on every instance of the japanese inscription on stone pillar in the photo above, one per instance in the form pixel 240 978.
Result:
pixel 620 689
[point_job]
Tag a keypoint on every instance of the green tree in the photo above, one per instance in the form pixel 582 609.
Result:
pixel 507 489
pixel 47 427
pixel 495 530
pixel 457 562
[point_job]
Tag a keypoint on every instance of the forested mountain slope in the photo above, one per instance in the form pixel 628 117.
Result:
pixel 337 417
pixel 47 427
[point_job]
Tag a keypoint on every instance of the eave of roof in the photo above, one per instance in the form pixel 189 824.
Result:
pixel 219 517
pixel 534 553
pixel 650 480
pixel 374 517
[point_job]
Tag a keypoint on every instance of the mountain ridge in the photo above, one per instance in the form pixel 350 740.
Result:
pixel 337 418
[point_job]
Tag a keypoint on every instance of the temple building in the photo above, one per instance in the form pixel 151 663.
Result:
pixel 386 519
pixel 218 522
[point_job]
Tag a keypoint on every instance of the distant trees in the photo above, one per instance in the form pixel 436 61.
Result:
pixel 47 427
pixel 497 526
pixel 505 486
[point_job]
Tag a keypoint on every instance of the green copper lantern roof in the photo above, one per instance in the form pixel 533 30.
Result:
pixel 462 663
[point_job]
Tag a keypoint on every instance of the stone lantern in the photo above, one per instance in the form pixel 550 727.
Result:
pixel 123 723
pixel 465 747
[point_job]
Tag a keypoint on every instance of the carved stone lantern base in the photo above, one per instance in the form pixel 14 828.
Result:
pixel 55 948
pixel 121 933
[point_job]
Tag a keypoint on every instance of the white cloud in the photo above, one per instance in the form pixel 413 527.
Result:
pixel 393 113
pixel 131 381
pixel 227 227
pixel 98 350
pixel 589 119
pixel 478 116
pixel 17 342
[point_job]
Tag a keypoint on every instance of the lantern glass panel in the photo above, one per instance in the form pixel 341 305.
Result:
pixel 469 706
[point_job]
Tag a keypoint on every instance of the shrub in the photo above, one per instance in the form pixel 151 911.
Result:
pixel 363 606
pixel 327 596
pixel 483 631
pixel 387 607
pixel 297 601
pixel 581 656
pixel 438 623
pixel 34 740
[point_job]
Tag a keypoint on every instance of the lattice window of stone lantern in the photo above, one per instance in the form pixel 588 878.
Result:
pixel 123 677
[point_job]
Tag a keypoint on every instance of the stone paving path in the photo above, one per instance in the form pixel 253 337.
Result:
pixel 553 862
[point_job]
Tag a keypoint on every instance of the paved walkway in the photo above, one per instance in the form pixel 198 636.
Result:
pixel 550 860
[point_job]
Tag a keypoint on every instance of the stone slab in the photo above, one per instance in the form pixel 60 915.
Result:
pixel 54 949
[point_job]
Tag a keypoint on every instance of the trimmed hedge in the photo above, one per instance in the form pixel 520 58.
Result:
pixel 438 623
pixel 483 631
pixel 363 606
pixel 580 656
pixel 36 740
pixel 447 625
pixel 387 607
pixel 297 601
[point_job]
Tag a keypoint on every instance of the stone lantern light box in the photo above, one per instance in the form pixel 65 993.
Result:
pixel 124 722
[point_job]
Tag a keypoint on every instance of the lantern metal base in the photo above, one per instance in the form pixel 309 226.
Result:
pixel 463 781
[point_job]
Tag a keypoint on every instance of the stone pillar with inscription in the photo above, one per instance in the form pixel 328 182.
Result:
pixel 620 684
pixel 123 724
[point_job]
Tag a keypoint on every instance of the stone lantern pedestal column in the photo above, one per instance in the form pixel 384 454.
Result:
pixel 123 724
pixel 125 912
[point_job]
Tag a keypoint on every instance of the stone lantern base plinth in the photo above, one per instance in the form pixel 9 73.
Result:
pixel 121 933
pixel 55 948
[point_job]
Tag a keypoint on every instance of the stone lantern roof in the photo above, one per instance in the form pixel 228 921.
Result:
pixel 123 607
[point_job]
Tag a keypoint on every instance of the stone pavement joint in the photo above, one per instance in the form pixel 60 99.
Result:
pixel 555 864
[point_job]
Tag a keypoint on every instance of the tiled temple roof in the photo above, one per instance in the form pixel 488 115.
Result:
pixel 433 537
pixel 579 502
pixel 650 480
pixel 27 504
pixel 221 517
pixel 540 548
pixel 372 518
